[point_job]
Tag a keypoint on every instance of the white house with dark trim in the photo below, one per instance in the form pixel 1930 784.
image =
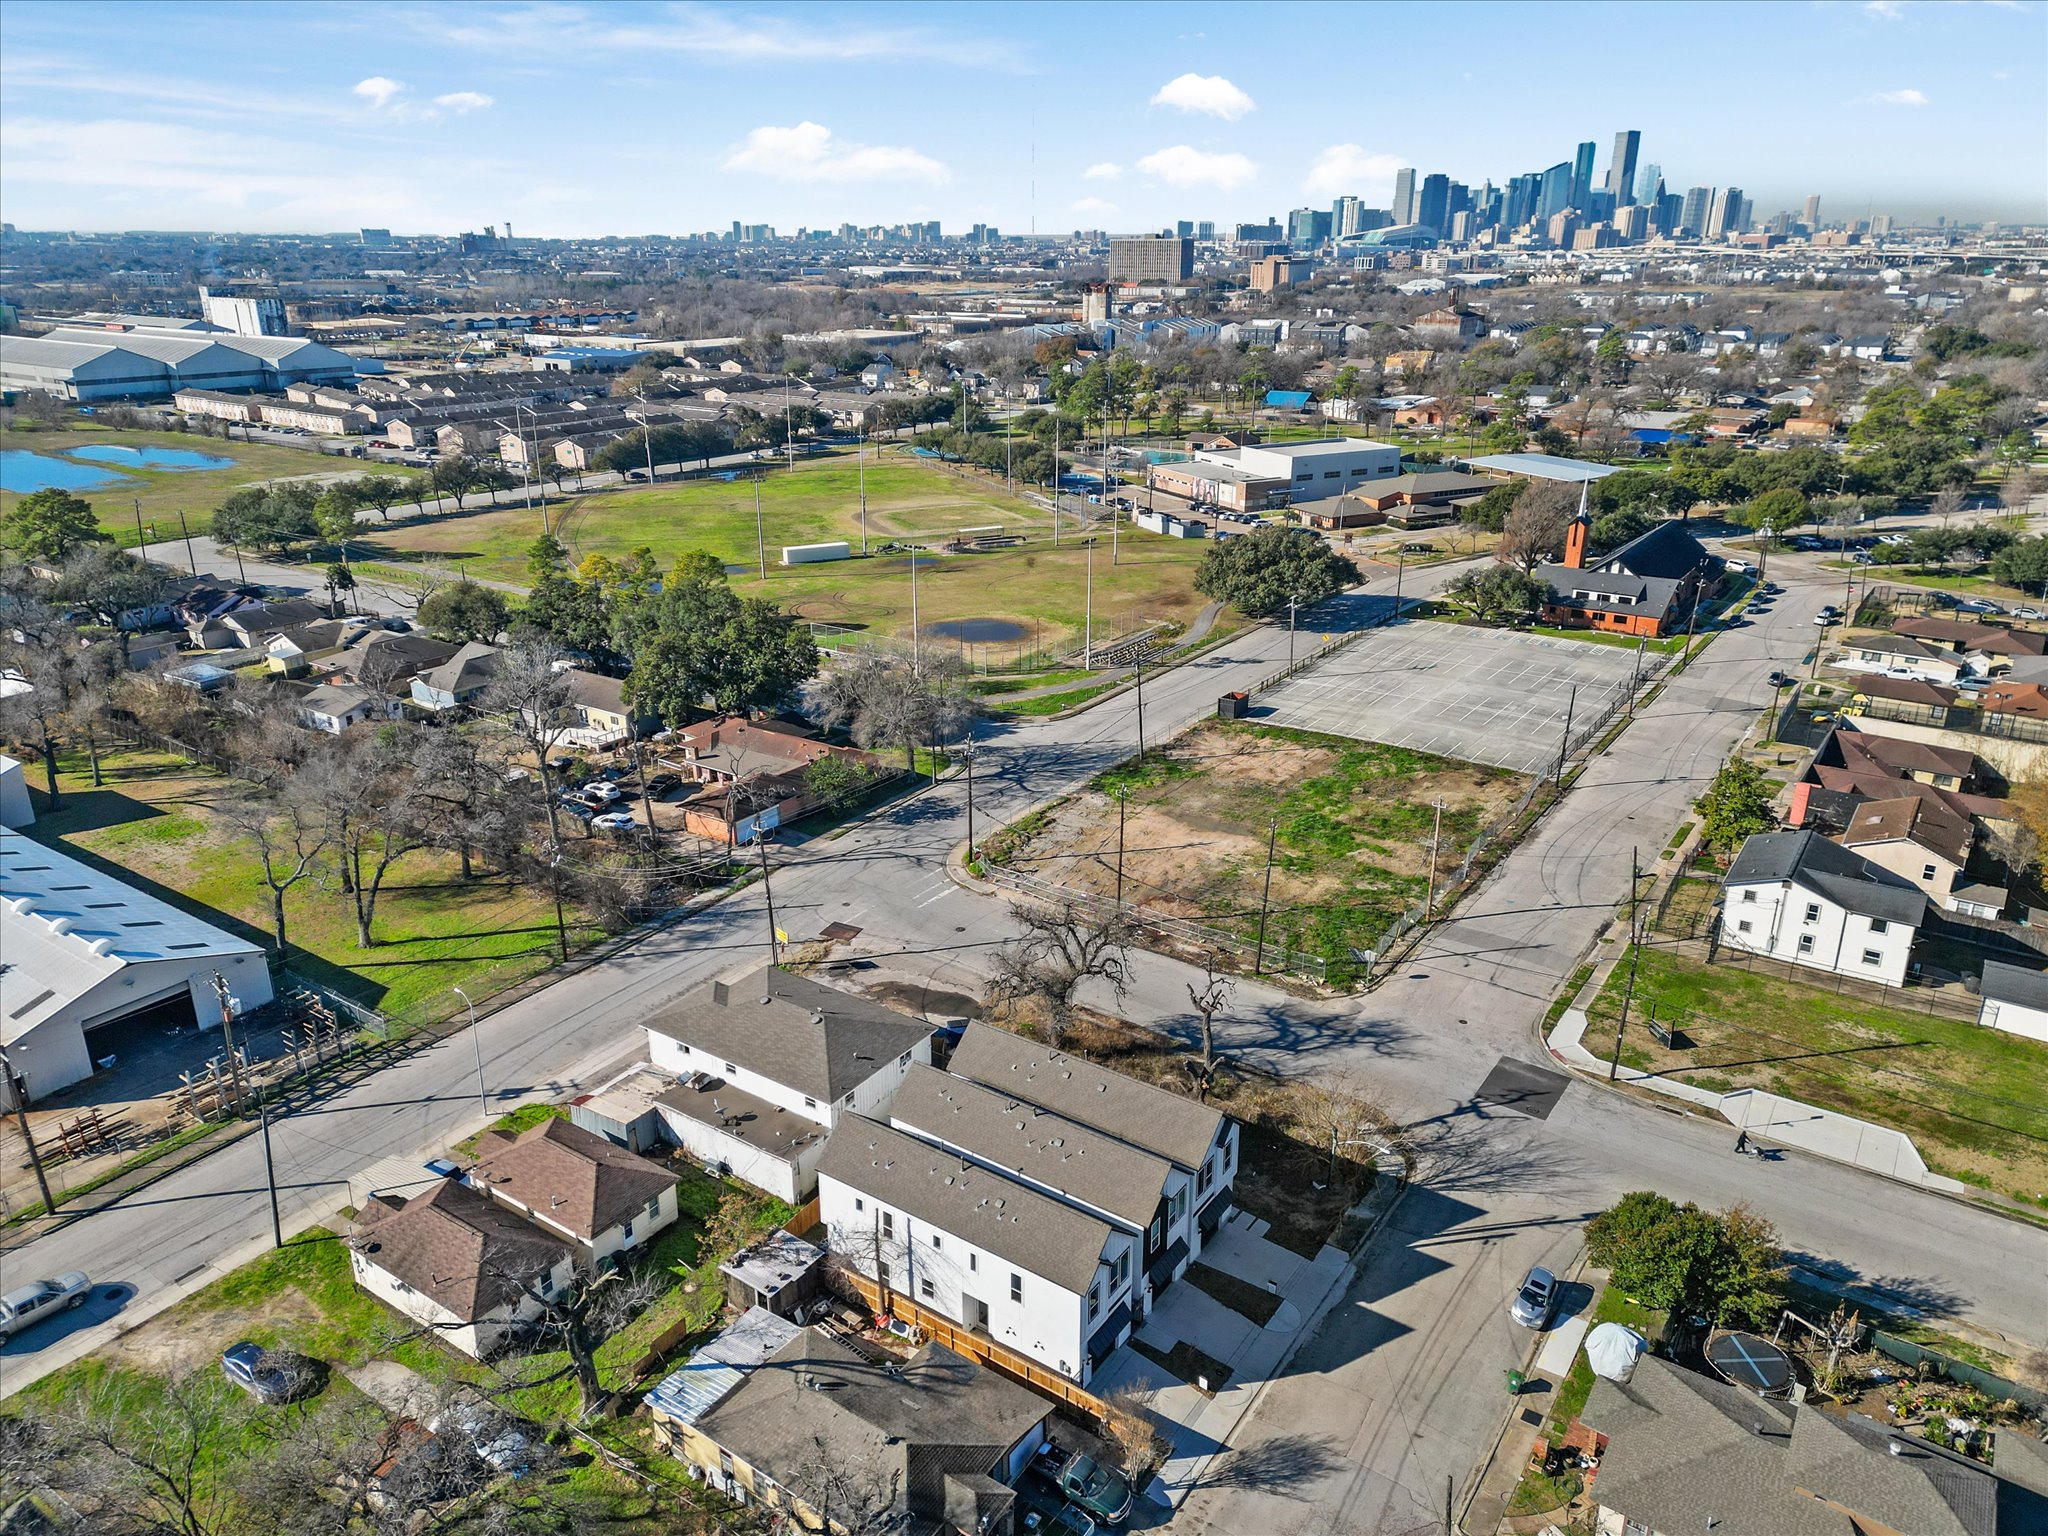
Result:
pixel 1030 1196
pixel 577 1185
pixel 766 1066
pixel 1796 897
pixel 2015 1000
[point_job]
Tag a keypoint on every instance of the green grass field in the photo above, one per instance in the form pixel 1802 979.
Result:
pixel 163 494
pixel 1038 587
pixel 1969 1096
pixel 152 826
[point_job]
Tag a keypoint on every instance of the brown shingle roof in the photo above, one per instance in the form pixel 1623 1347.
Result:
pixel 455 1247
pixel 1935 828
pixel 573 1177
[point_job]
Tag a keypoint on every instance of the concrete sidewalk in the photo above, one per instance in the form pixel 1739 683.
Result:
pixel 1199 1425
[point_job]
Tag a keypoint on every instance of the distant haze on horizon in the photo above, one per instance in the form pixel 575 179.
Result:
pixel 573 121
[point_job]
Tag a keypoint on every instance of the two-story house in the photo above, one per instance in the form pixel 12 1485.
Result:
pixel 768 1065
pixel 565 1180
pixel 1796 897
pixel 462 1265
pixel 1924 841
pixel 458 681
pixel 1029 1197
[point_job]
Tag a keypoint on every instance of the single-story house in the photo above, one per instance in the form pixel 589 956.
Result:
pixel 293 651
pixel 1900 656
pixel 753 775
pixel 604 717
pixel 2015 999
pixel 334 707
pixel 458 681
pixel 468 1268
pixel 604 1199
pixel 1796 897
pixel 386 662
pixel 933 1445
pixel 1901 698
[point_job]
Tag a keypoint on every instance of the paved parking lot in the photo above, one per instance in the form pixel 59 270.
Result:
pixel 1482 695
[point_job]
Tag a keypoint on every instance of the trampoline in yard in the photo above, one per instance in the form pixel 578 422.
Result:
pixel 1754 1364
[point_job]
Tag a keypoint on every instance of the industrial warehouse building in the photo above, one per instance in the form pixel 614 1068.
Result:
pixel 86 954
pixel 124 362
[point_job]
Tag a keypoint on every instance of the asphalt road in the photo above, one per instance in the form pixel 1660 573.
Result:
pixel 1401 1389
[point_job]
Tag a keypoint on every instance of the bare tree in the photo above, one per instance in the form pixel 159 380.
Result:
pixel 1333 1110
pixel 891 699
pixel 1127 1417
pixel 40 649
pixel 368 791
pixel 1537 523
pixel 1062 945
pixel 1948 501
pixel 289 832
pixel 1208 1000
pixel 848 1499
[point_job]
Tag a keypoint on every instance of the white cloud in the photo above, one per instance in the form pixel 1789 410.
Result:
pixel 1093 205
pixel 1204 93
pixel 1183 165
pixel 1886 10
pixel 460 102
pixel 811 152
pixel 379 90
pixel 1103 170
pixel 1905 98
pixel 1351 169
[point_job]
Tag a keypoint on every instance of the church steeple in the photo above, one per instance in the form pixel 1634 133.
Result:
pixel 1575 536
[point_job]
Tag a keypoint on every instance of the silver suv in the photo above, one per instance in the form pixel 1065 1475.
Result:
pixel 29 1304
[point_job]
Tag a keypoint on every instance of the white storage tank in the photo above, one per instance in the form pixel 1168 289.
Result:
pixel 815 554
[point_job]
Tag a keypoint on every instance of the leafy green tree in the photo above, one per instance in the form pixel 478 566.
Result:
pixel 1683 1259
pixel 2023 564
pixel 1774 511
pixel 1737 805
pixel 674 443
pixel 464 611
pixel 1498 594
pixel 272 519
pixel 1611 530
pixel 1257 574
pixel 697 642
pixel 49 525
pixel 1490 512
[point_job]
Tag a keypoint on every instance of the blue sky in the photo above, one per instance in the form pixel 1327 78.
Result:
pixel 631 118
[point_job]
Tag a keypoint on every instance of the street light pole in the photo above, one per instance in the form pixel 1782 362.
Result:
pixel 760 536
pixel 482 1100
pixel 1088 611
pixel 860 459
pixel 914 644
pixel 768 892
pixel 1291 604
pixel 1564 747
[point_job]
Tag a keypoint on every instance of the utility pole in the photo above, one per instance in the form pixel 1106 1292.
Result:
pixel 1435 839
pixel 647 438
pixel 860 458
pixel 1635 678
pixel 191 559
pixel 1635 948
pixel 1291 603
pixel 1055 475
pixel 768 891
pixel 17 1086
pixel 140 547
pixel 913 606
pixel 1564 747
pixel 1265 901
pixel 1139 662
pixel 1120 794
pixel 1400 572
pixel 970 791
pixel 1088 611
pixel 1107 500
pixel 760 537
pixel 227 1016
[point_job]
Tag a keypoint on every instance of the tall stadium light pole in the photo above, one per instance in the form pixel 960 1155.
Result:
pixel 1088 610
pixel 913 607
pixel 860 458
pixel 646 435
pixel 1055 475
pixel 760 537
pixel 533 464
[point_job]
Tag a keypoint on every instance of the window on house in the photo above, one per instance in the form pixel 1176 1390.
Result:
pixel 903 1060
pixel 936 1242
pixel 1749 895
pixel 809 1102
pixel 626 1233
pixel 730 1069
pixel 1177 1207
pixel 1205 1177
pixel 1016 1286
pixel 1744 926
pixel 1094 1301
pixel 926 1289
pixel 1813 911
pixel 1873 957
pixel 654 1209
pixel 1926 871
pixel 1879 925
pixel 859 1204
pixel 847 1101
pixel 973 1262
pixel 1152 1233
pixel 1119 1271
pixel 1806 943
pixel 888 1223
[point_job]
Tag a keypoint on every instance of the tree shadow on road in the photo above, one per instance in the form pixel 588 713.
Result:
pixel 1288 1465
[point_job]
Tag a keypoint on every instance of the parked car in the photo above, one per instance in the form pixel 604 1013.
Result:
pixel 578 809
pixel 663 783
pixel 614 821
pixel 1979 605
pixel 1102 1491
pixel 1783 680
pixel 499 1440
pixel 1070 1521
pixel 1533 1302
pixel 2029 613
pixel 27 1305
pixel 270 1375
pixel 601 791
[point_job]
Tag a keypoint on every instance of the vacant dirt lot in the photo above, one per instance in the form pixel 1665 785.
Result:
pixel 1351 821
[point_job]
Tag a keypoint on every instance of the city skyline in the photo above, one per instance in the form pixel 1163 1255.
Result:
pixel 567 121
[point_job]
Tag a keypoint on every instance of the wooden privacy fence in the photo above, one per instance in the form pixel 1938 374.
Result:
pixel 975 1346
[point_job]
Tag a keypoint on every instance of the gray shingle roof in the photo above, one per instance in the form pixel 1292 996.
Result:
pixel 2005 983
pixel 815 1039
pixel 1828 870
pixel 995 1213
pixel 1086 1165
pixel 456 1247
pixel 815 1408
pixel 1174 1127
pixel 574 1177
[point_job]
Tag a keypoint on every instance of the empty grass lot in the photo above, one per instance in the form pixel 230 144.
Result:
pixel 1355 821
pixel 1040 588
pixel 163 493
pixel 153 826
pixel 1969 1097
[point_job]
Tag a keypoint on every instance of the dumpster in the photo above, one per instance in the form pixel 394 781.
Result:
pixel 1232 706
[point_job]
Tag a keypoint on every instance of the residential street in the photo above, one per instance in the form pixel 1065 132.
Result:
pixel 1402 1387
